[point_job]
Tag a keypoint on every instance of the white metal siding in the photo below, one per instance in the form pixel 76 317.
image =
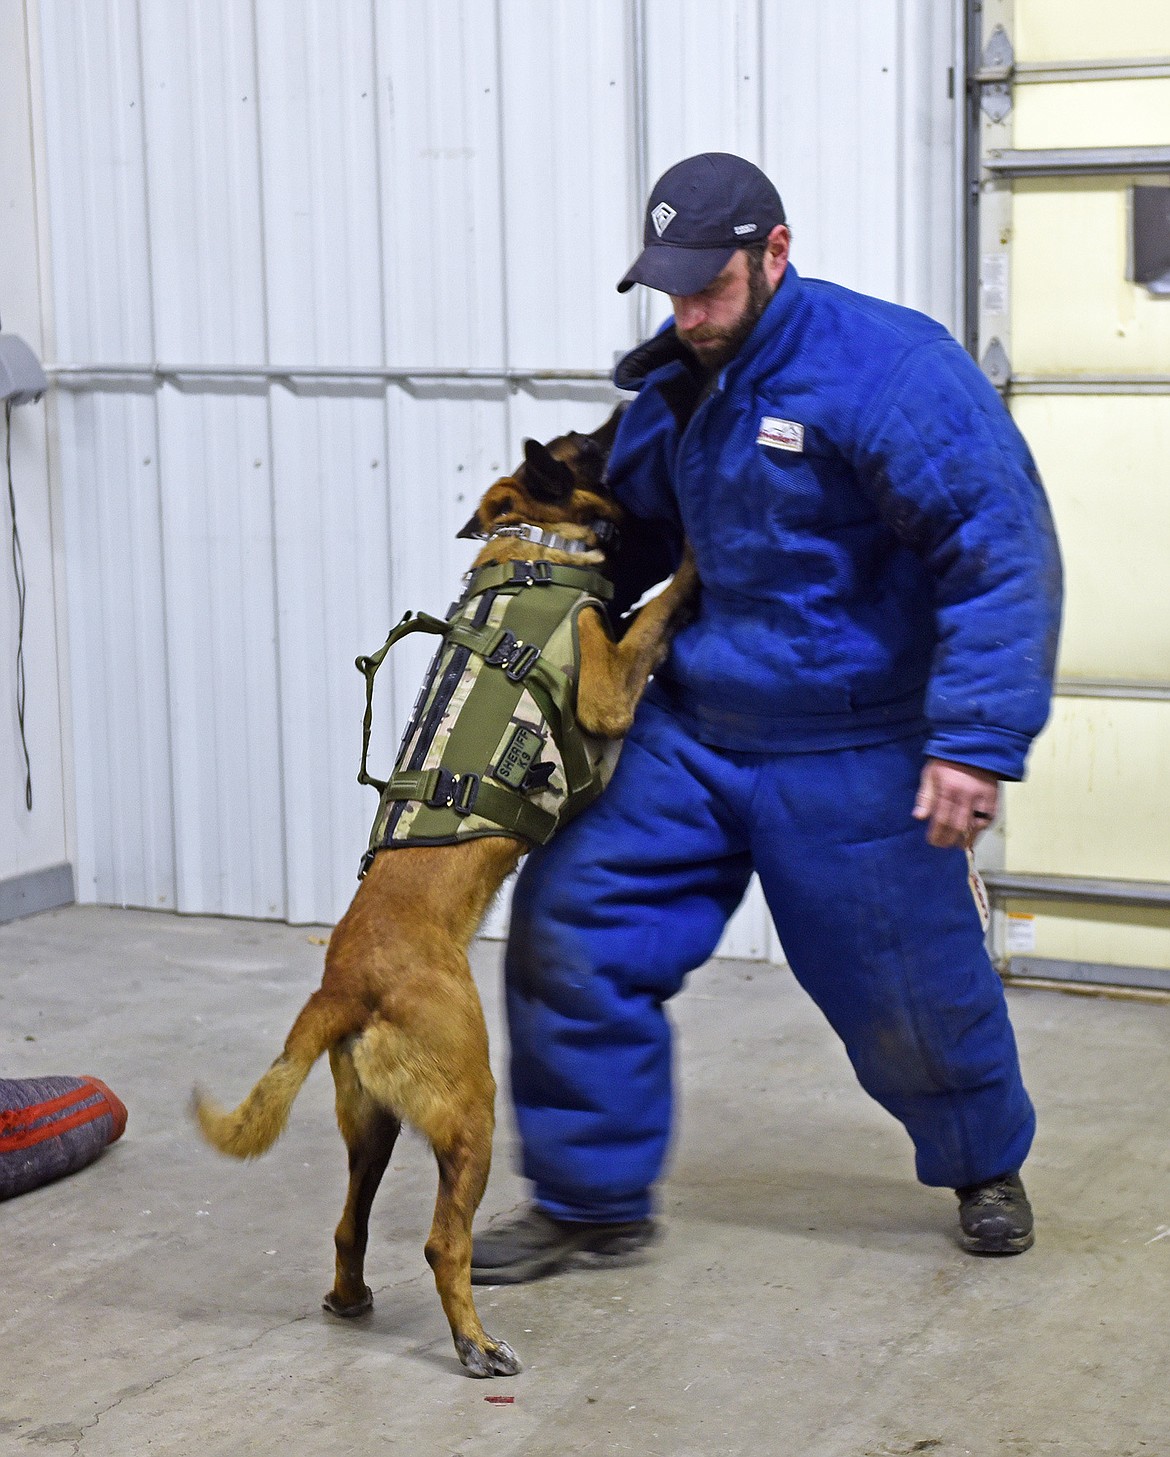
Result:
pixel 35 840
pixel 453 184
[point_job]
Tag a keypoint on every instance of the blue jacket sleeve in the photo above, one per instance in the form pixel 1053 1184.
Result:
pixel 953 478
pixel 651 542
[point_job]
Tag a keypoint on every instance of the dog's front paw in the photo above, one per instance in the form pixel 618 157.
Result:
pixel 494 1358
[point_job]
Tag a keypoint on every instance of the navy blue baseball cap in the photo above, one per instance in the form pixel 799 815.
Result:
pixel 699 213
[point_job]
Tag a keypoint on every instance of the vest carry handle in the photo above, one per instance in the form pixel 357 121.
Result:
pixel 368 666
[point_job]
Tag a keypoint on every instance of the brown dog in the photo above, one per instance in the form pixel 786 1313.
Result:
pixel 397 1009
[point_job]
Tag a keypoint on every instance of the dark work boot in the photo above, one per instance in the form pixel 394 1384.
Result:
pixel 995 1217
pixel 529 1244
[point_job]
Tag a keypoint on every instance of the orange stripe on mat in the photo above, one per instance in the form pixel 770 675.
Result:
pixel 16 1134
pixel 14 1119
pixel 31 1137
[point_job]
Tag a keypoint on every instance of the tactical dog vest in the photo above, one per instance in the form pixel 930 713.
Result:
pixel 493 746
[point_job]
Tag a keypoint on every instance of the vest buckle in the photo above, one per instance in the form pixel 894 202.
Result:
pixel 524 659
pixel 516 658
pixel 456 792
pixel 532 574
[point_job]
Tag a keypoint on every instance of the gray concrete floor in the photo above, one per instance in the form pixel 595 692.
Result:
pixel 807 1301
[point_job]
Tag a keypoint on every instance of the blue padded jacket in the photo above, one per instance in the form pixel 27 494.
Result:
pixel 876 552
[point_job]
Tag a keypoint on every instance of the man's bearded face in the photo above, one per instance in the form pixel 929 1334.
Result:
pixel 715 322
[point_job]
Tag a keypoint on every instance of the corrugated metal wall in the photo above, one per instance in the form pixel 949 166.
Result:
pixel 33 841
pixel 439 184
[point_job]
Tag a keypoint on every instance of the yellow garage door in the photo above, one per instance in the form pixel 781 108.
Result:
pixel 1071 282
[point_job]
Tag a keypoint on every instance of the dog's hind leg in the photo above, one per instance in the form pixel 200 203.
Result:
pixel 370 1133
pixel 463 1175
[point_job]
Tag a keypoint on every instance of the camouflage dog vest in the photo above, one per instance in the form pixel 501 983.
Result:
pixel 493 746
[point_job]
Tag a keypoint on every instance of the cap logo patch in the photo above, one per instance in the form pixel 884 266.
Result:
pixel 662 217
pixel 744 228
pixel 781 434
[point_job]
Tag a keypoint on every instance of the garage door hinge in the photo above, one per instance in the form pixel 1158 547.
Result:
pixel 996 365
pixel 994 77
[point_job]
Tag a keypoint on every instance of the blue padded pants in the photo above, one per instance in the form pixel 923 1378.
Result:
pixel 878 926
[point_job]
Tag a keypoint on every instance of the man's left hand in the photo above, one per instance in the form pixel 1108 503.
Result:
pixel 959 801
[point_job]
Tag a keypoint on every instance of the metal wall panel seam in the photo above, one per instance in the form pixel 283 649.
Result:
pixel 375 21
pixel 911 190
pixel 95 376
pixel 766 91
pixel 383 316
pixel 874 27
pixel 949 265
pixel 502 214
pixel 958 96
pixel 941 151
pixel 926 192
pixel 277 657
pixel 266 897
pixel 156 455
pixel 165 670
pixel 749 73
pixel 641 182
pixel 72 538
pixel 755 935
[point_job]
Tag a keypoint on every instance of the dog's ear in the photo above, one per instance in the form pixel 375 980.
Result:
pixel 604 434
pixel 473 531
pixel 589 464
pixel 546 478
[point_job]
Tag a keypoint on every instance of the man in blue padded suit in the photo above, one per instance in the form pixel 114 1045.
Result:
pixel 872 651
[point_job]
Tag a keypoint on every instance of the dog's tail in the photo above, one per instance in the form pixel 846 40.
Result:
pixel 251 1129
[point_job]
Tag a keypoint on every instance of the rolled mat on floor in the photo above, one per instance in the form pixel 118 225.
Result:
pixel 53 1126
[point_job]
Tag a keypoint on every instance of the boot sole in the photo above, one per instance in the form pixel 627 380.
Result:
pixel 1006 1245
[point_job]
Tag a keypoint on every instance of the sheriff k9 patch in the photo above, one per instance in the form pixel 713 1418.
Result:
pixel 781 434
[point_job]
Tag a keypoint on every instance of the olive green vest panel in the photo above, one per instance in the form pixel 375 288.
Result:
pixel 493 746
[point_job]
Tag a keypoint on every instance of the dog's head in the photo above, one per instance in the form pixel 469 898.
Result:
pixel 561 483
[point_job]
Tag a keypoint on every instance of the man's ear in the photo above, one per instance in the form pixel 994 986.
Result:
pixel 546 478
